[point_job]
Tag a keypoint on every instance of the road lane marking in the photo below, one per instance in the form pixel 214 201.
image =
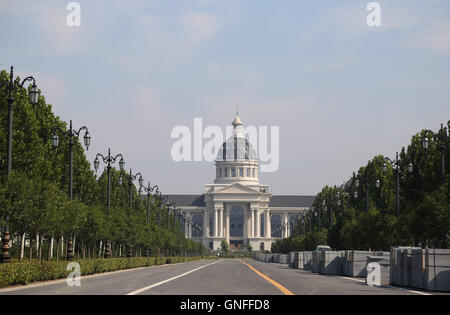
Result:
pixel 44 283
pixel 359 280
pixel 391 287
pixel 413 291
pixel 171 279
pixel 276 284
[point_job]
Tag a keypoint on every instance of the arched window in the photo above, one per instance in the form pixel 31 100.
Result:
pixel 275 225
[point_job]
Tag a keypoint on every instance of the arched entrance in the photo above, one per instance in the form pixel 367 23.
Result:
pixel 236 227
pixel 275 224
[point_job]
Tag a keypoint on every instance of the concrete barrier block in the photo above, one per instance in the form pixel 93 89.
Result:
pixel 329 262
pixel 307 260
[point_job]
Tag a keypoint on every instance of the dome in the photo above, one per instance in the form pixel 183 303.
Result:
pixel 237 147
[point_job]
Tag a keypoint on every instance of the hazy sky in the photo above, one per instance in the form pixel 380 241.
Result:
pixel 340 91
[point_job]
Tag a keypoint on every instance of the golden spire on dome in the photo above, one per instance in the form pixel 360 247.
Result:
pixel 237 120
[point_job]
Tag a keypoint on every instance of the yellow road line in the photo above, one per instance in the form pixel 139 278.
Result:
pixel 276 284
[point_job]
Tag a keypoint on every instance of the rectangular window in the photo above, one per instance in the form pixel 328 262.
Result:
pixel 241 172
pixel 233 172
pixel 248 172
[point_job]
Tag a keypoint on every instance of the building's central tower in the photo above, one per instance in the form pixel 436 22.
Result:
pixel 237 161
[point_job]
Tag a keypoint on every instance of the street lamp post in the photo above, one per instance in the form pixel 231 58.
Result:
pixel 132 178
pixel 442 138
pixel 148 190
pixel 33 95
pixel 71 133
pixel 397 175
pixel 109 160
pixel 367 181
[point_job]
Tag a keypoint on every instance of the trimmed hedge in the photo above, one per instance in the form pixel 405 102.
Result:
pixel 27 272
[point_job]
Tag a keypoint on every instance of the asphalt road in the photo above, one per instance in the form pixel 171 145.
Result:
pixel 212 277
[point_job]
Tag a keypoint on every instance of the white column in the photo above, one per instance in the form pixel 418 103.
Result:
pixel 245 225
pixel 216 226
pixel 285 215
pixel 252 223
pixel 258 223
pixel 220 222
pixel 205 223
pixel 227 224
pixel 267 223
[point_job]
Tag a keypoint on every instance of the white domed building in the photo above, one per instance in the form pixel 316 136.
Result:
pixel 237 207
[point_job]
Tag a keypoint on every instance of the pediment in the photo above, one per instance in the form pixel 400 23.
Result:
pixel 237 189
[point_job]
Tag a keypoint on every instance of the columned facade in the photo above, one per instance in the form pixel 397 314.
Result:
pixel 237 208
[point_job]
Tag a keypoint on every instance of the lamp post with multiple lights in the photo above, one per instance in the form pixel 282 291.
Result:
pixel 109 159
pixel 367 181
pixel 71 133
pixel 132 177
pixel 33 97
pixel 148 190
pixel 398 171
pixel 441 139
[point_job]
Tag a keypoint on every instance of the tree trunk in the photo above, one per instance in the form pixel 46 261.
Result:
pixel 74 238
pixel 22 247
pixel 30 256
pixel 57 249
pixel 100 249
pixel 40 247
pixel 52 240
pixel 83 251
pixel 62 245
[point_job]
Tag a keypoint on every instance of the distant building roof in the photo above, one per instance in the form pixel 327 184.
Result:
pixel 275 201
pixel 188 200
pixel 291 201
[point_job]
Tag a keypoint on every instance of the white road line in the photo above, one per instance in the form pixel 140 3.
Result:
pixel 391 287
pixel 417 292
pixel 359 280
pixel 96 275
pixel 171 279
